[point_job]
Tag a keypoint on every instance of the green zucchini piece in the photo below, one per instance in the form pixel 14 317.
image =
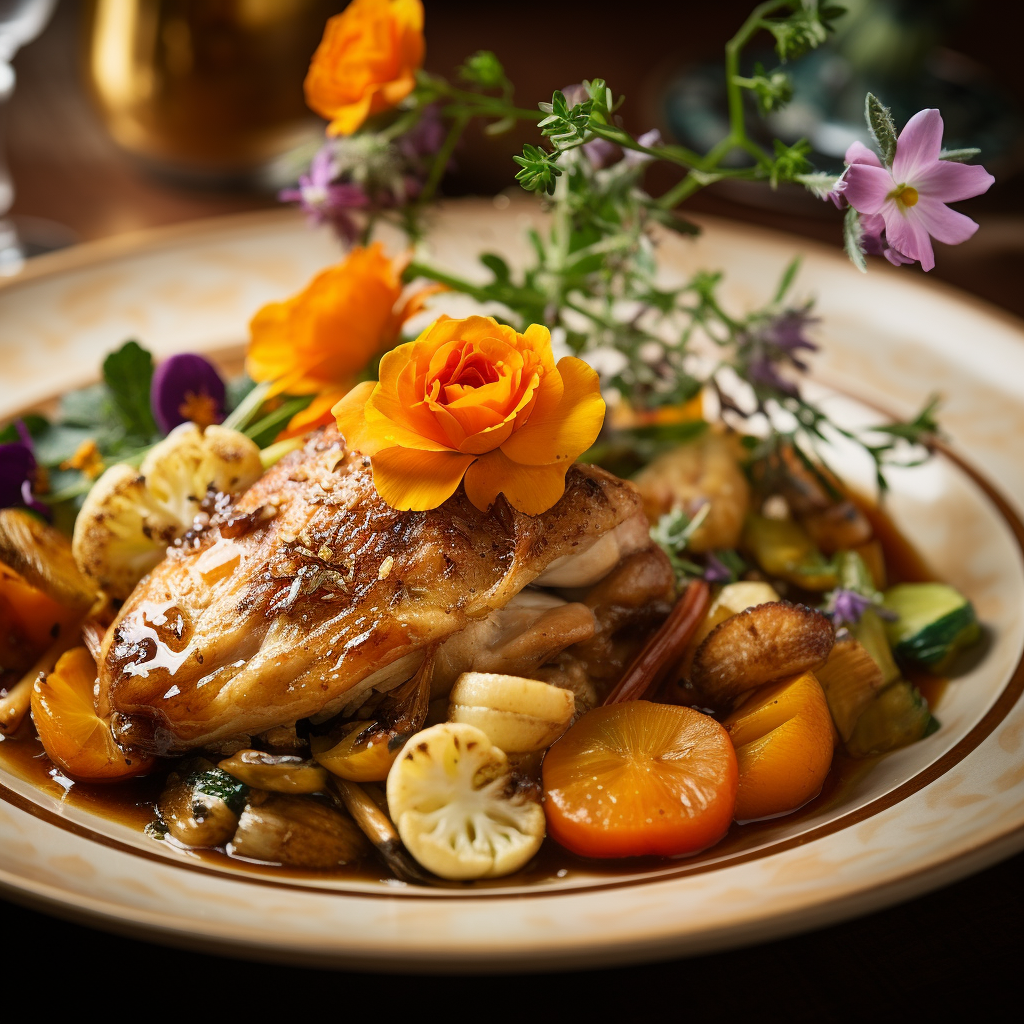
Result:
pixel 896 717
pixel 784 549
pixel 934 623
pixel 871 633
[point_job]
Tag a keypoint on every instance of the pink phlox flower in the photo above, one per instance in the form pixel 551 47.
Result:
pixel 323 200
pixel 911 196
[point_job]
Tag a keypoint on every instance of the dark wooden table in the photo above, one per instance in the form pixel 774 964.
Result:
pixel 959 945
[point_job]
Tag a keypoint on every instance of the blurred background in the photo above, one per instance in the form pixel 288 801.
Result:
pixel 128 114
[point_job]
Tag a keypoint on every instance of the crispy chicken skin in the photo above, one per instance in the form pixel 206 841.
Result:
pixel 303 594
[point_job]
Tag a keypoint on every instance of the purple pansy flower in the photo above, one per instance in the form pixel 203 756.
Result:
pixel 323 201
pixel 909 199
pixel 186 387
pixel 18 473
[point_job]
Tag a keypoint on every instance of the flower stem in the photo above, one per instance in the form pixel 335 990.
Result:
pixel 444 154
pixel 457 284
pixel 242 414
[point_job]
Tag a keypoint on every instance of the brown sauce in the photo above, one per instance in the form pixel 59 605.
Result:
pixel 133 802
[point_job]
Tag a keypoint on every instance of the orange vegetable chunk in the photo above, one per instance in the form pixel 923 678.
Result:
pixel 784 740
pixel 77 740
pixel 33 614
pixel 637 778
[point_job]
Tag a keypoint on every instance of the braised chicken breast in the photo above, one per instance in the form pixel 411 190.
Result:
pixel 311 593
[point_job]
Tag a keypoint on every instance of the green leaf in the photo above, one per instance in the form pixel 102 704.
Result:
pixel 787 279
pixel 484 70
pixel 566 128
pixel 672 220
pixel 790 161
pixel 772 90
pixel 539 170
pixel 35 424
pixel 881 126
pixel 853 234
pixel 959 156
pixel 804 28
pixel 236 389
pixel 86 407
pixel 497 266
pixel 128 374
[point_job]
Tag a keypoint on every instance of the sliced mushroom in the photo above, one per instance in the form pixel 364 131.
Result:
pixel 41 555
pixel 758 646
pixel 296 832
pixel 201 807
pixel 279 773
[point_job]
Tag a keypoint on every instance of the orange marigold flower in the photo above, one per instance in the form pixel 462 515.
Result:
pixel 366 62
pixel 474 399
pixel 316 342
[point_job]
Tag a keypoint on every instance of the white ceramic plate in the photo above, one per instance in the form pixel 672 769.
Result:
pixel 923 816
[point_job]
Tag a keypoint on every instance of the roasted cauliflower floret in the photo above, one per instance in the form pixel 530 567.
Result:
pixel 458 809
pixel 130 516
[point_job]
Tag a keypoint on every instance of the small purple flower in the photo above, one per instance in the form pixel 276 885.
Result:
pixel 575 95
pixel 650 140
pixel 186 387
pixel 715 570
pixel 18 470
pixel 323 201
pixel 910 197
pixel 847 607
pixel 601 153
pixel 425 137
pixel 774 344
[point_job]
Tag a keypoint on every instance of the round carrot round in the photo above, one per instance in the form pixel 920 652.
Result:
pixel 784 739
pixel 77 740
pixel 637 778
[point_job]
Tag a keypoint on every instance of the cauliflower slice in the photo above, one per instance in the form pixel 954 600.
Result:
pixel 131 516
pixel 457 807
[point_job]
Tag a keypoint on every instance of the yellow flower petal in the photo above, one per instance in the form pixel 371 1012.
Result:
pixel 350 413
pixel 561 426
pixel 413 480
pixel 531 489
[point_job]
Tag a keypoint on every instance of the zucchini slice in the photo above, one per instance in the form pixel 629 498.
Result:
pixel 934 623
pixel 894 718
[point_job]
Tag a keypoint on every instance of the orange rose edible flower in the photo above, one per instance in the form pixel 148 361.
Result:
pixel 366 62
pixel 316 342
pixel 475 400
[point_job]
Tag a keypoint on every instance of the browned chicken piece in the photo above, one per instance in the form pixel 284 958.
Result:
pixel 312 591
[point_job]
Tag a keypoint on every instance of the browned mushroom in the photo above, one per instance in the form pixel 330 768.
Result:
pixel 762 644
pixel 298 832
